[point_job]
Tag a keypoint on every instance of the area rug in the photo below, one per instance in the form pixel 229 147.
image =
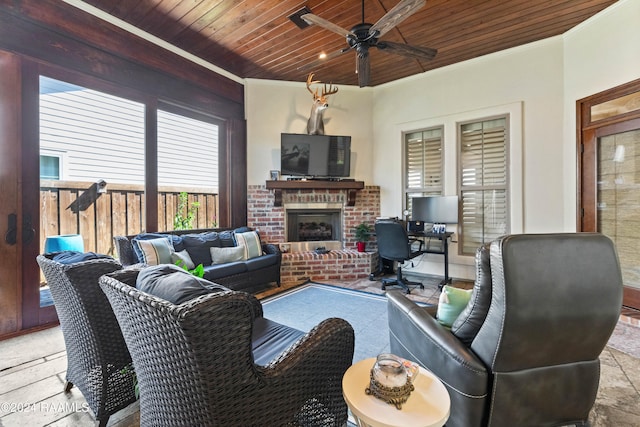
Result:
pixel 307 305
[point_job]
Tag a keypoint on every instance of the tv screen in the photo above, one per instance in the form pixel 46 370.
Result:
pixel 435 209
pixel 315 155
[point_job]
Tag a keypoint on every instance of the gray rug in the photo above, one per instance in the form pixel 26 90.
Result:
pixel 306 306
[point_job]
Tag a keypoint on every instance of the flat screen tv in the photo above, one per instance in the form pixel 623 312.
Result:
pixel 322 156
pixel 435 209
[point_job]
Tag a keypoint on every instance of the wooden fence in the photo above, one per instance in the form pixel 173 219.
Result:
pixel 72 207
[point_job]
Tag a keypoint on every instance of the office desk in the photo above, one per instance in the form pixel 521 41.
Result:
pixel 444 237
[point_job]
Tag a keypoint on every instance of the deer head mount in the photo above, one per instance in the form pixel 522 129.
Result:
pixel 315 125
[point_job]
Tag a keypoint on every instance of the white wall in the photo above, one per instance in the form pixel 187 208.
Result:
pixel 274 107
pixel 544 79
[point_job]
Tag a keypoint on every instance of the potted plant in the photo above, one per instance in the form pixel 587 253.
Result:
pixel 363 234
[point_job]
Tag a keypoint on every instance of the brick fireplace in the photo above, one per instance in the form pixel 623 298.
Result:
pixel 267 213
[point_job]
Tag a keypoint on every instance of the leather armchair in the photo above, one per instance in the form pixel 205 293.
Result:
pixel 525 350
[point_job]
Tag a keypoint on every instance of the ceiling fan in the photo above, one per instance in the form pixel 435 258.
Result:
pixel 364 36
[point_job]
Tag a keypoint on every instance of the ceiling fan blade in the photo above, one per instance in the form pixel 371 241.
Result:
pixel 322 60
pixel 396 15
pixel 363 68
pixel 407 50
pixel 311 19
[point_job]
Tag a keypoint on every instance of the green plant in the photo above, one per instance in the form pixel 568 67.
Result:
pixel 198 271
pixel 180 221
pixel 363 232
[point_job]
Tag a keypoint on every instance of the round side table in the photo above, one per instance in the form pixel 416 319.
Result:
pixel 428 405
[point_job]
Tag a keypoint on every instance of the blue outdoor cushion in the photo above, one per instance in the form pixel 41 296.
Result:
pixel 217 271
pixel 172 283
pixel 197 245
pixel 73 257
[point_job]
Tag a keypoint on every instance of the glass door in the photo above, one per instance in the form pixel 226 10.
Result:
pixel 609 176
pixel 618 198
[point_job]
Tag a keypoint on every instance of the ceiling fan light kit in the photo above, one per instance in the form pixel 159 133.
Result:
pixel 364 36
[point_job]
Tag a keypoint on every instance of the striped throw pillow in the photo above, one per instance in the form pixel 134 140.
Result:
pixel 250 241
pixel 155 251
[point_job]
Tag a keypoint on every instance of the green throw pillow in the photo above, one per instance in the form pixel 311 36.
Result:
pixel 452 302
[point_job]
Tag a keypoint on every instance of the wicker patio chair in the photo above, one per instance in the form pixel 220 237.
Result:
pixel 195 361
pixel 98 361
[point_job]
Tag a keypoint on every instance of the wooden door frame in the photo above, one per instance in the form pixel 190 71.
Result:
pixel 588 131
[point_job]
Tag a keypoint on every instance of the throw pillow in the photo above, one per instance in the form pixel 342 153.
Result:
pixel 176 241
pixel 468 323
pixel 250 241
pixel 224 255
pixel 197 245
pixel 452 302
pixel 172 283
pixel 155 251
pixel 184 258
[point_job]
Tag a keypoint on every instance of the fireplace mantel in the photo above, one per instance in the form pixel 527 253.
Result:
pixel 350 186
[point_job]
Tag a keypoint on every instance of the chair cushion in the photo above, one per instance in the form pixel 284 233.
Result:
pixel 155 251
pixel 73 257
pixel 468 323
pixel 452 302
pixel 183 258
pixel 225 255
pixel 269 339
pixel 250 242
pixel 172 283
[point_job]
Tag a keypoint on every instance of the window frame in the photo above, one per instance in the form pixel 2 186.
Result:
pixel 409 193
pixel 61 156
pixel 507 186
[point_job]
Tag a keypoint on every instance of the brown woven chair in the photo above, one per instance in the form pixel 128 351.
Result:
pixel 98 361
pixel 195 362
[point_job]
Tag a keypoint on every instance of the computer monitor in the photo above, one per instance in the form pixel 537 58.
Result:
pixel 435 209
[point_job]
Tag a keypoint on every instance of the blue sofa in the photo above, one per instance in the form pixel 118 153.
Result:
pixel 236 275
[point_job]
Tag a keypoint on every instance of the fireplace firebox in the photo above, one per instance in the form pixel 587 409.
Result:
pixel 314 225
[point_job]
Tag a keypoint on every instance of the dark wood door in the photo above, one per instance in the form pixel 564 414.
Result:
pixel 609 176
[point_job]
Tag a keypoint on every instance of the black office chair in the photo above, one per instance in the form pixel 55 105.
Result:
pixel 394 245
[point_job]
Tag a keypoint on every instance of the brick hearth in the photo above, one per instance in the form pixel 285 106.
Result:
pixel 346 264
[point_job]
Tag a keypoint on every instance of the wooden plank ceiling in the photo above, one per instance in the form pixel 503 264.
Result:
pixel 256 38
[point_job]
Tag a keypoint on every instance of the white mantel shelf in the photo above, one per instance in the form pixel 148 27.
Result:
pixel 314 184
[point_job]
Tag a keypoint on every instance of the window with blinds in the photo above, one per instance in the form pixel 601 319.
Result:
pixel 483 180
pixel 423 164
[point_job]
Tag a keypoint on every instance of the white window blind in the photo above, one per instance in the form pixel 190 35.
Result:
pixel 423 164
pixel 483 182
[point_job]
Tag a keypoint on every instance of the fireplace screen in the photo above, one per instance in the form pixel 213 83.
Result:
pixel 313 226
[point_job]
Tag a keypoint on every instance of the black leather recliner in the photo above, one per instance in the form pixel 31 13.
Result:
pixel 525 351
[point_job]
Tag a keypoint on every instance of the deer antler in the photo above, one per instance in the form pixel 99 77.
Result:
pixel 310 82
pixel 332 89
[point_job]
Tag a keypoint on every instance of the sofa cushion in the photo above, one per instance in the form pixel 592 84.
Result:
pixel 260 262
pixel 197 245
pixel 225 255
pixel 217 271
pixel 250 242
pixel 468 323
pixel 269 339
pixel 172 283
pixel 452 302
pixel 155 251
pixel 181 259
